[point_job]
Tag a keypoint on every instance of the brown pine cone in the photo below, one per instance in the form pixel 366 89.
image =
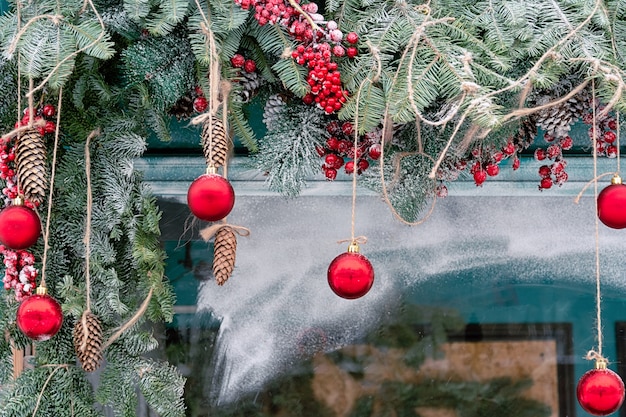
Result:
pixel 88 341
pixel 215 143
pixel 224 250
pixel 30 160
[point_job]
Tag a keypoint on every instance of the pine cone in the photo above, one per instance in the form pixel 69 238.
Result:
pixel 273 108
pixel 557 120
pixel 215 143
pixel 32 172
pixel 88 341
pixel 250 81
pixel 224 250
pixel 183 108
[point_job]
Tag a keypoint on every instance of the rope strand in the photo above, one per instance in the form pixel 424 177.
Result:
pixel 46 236
pixel 597 226
pixel 89 209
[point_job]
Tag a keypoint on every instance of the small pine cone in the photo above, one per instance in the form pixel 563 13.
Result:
pixel 32 172
pixel 183 108
pixel 88 341
pixel 215 143
pixel 250 82
pixel 273 108
pixel 224 250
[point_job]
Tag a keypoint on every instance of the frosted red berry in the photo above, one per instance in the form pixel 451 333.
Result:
pixel 48 110
pixel 249 65
pixel 331 173
pixel 352 52
pixel 237 61
pixel 375 151
pixel 545 171
pixel 545 183
pixel 540 154
pixel 480 176
pixel 609 136
pixel 492 170
pixel 200 104
pixel 352 38
pixel 509 149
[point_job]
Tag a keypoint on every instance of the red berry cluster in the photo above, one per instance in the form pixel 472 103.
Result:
pixel 324 77
pixel 19 272
pixel 555 172
pixel 484 162
pixel 340 146
pixel 200 102
pixel 269 11
pixel 43 113
pixel 606 138
pixel 316 49
pixel 239 61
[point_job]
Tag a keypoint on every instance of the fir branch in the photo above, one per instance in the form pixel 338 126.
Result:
pixel 240 125
pixel 137 9
pixel 90 39
pixel 292 75
pixel 288 152
pixel 370 106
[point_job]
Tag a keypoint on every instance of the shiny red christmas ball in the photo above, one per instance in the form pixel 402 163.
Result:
pixel 612 204
pixel 350 275
pixel 20 227
pixel 600 392
pixel 39 316
pixel 210 197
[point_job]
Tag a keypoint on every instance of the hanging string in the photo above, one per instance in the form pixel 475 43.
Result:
pixel 46 235
pixel 617 144
pixel 87 238
pixel 353 239
pixel 43 388
pixel 593 355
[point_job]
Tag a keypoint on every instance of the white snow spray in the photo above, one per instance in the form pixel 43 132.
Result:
pixel 278 301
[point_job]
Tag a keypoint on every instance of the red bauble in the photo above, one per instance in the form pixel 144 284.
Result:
pixel 350 275
pixel 20 227
pixel 211 197
pixel 600 392
pixel 612 204
pixel 39 316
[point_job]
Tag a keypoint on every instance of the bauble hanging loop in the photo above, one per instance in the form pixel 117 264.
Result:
pixel 39 316
pixel 211 197
pixel 20 226
pixel 351 275
pixel 600 391
pixel 612 204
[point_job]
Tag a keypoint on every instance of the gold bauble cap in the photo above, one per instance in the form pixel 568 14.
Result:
pixel 18 201
pixel 211 169
pixel 616 180
pixel 600 363
pixel 42 291
pixel 353 248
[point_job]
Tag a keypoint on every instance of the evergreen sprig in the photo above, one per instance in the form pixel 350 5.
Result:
pixel 287 152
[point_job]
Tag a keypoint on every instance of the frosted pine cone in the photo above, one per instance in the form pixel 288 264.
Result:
pixel 32 172
pixel 250 82
pixel 273 108
pixel 215 143
pixel 557 120
pixel 224 251
pixel 88 341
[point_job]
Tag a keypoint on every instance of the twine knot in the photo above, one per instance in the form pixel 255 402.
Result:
pixel 208 232
pixel 469 87
pixel 592 355
pixel 358 240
